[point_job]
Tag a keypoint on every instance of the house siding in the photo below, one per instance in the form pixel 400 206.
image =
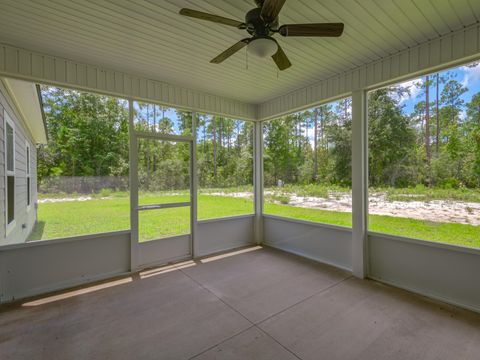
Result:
pixel 25 217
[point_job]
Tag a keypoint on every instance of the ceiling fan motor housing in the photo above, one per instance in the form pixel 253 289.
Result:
pixel 262 23
pixel 256 26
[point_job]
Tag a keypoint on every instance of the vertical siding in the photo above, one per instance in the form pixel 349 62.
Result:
pixel 33 182
pixel 455 47
pixel 446 50
pixel 22 215
pixel 37 67
pixel 2 168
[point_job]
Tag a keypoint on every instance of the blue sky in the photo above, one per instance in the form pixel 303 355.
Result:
pixel 170 113
pixel 467 76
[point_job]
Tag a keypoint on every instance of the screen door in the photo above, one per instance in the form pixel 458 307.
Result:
pixel 164 201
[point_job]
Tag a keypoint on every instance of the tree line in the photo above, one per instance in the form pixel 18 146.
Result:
pixel 224 150
pixel 88 137
pixel 437 144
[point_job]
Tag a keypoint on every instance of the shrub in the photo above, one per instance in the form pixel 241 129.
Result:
pixel 282 198
pixel 105 192
pixel 450 183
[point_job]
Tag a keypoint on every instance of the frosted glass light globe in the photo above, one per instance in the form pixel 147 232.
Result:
pixel 262 47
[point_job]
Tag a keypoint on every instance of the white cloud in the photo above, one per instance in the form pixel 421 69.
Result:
pixel 311 133
pixel 415 86
pixel 472 74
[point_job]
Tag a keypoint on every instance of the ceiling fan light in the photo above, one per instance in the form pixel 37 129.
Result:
pixel 262 47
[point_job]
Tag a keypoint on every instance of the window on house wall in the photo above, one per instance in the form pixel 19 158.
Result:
pixel 10 170
pixel 28 173
pixel 82 172
pixel 307 164
pixel 224 166
pixel 424 157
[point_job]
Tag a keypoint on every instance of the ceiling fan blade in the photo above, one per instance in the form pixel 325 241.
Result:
pixel 230 51
pixel 210 17
pixel 281 59
pixel 325 29
pixel 271 9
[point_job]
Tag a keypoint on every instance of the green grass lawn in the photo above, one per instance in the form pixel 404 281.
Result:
pixel 75 218
pixel 64 219
pixel 458 234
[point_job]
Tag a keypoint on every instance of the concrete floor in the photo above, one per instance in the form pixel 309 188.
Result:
pixel 260 304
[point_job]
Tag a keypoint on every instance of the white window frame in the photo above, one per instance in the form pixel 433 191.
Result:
pixel 28 174
pixel 8 120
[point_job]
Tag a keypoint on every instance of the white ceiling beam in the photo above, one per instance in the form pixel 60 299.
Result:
pixel 52 70
pixel 445 51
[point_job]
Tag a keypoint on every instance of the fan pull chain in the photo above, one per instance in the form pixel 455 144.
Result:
pixel 246 60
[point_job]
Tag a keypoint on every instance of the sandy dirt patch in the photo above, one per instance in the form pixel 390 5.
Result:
pixel 434 210
pixel 67 199
pixel 245 195
pixel 446 211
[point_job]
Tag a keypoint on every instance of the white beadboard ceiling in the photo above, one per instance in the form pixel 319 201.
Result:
pixel 149 38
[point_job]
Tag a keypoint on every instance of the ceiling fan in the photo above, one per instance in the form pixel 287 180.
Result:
pixel 261 23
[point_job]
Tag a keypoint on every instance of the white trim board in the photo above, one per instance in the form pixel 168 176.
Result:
pixel 61 264
pixel 433 270
pixel 32 66
pixel 8 122
pixel 445 51
pixel 324 243
pixel 308 256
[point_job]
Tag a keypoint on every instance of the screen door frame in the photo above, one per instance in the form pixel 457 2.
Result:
pixel 162 250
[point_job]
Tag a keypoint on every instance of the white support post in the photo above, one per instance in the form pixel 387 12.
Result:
pixel 258 181
pixel 133 189
pixel 193 187
pixel 359 183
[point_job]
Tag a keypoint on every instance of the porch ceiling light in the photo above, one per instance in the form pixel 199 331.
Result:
pixel 262 47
